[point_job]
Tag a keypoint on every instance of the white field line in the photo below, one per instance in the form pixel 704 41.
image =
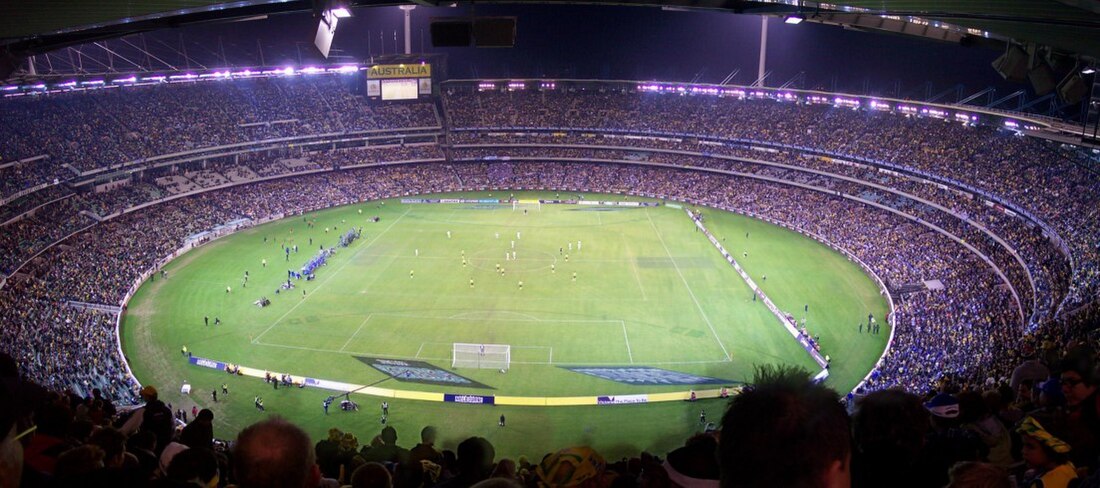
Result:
pixel 345 346
pixel 331 275
pixel 627 339
pixel 549 362
pixel 634 265
pixel 693 298
pixel 513 346
pixel 476 257
pixel 418 351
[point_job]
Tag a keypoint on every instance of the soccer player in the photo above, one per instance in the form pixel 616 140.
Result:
pixel 217 321
pixel 552 269
pixel 205 320
pixel 765 278
pixel 259 403
pixel 517 235
pixel 471 282
pixel 411 273
pixel 183 351
pixel 385 408
pixel 448 234
pixel 513 244
pixel 578 245
pixel 513 255
pixel 703 417
pixel 570 246
pixel 227 290
pixel 501 422
pixel 225 389
pixel 574 276
pixel 567 258
pixel 214 395
pixel 521 284
pixel 417 251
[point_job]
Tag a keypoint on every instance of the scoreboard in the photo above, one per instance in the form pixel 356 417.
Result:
pixel 399 81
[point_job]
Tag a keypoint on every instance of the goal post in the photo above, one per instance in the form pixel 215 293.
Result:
pixel 526 204
pixel 482 356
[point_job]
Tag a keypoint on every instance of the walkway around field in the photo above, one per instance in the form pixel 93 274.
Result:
pixel 788 324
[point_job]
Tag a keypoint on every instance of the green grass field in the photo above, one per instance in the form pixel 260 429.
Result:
pixel 650 291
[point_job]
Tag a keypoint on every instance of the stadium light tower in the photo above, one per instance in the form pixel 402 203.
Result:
pixel 763 50
pixel 408 29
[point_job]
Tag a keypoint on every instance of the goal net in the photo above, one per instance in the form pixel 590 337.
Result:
pixel 485 356
pixel 526 204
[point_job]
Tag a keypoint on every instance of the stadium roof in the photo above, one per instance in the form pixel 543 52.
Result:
pixel 1066 26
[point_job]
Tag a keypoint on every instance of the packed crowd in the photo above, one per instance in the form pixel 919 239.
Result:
pixel 83 131
pixel 985 159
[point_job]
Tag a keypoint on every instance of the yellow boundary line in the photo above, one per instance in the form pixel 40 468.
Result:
pixel 562 401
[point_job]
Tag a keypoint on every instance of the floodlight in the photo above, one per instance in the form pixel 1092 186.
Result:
pixel 1088 71
pixel 793 19
pixel 341 12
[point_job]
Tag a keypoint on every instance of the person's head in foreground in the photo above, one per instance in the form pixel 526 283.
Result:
pixel 275 454
pixel 785 431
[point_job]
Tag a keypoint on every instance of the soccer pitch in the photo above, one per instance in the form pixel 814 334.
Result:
pixel 649 291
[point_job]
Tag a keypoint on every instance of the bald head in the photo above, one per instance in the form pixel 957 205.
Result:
pixel 275 454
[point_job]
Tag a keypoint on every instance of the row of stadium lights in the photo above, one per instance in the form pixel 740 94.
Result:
pixel 19 90
pixel 852 103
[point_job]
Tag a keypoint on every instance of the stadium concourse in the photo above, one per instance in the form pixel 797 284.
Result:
pixel 1008 225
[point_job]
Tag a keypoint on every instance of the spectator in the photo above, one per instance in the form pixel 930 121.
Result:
pixel 371 475
pixel 425 450
pixel 785 431
pixel 889 429
pixel 200 432
pixel 389 451
pixel 978 475
pixel 275 454
pixel 474 463
pixel 1046 455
